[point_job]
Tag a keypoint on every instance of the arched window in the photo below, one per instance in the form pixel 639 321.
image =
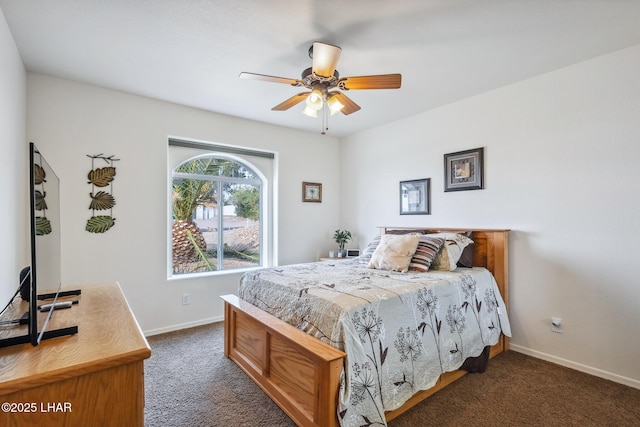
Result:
pixel 217 214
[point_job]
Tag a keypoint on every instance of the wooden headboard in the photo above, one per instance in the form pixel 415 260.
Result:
pixel 491 250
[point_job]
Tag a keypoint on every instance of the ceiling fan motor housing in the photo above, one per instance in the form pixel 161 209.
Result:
pixel 310 79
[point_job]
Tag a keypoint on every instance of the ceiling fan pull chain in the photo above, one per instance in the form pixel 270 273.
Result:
pixel 325 119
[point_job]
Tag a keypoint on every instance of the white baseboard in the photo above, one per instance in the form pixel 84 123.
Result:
pixel 577 366
pixel 520 349
pixel 182 326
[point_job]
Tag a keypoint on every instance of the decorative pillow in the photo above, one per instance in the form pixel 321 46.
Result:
pixel 428 248
pixel 447 258
pixel 394 252
pixel 366 254
pixel 466 259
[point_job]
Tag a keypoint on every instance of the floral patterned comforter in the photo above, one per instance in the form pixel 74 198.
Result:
pixel 400 330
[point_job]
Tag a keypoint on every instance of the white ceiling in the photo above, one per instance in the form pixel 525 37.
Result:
pixel 190 52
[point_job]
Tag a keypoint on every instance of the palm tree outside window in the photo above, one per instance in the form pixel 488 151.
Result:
pixel 216 214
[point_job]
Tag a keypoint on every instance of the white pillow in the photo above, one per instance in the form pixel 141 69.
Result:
pixel 394 252
pixel 451 251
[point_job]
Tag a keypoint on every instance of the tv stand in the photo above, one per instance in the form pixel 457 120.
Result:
pixel 48 333
pixel 92 378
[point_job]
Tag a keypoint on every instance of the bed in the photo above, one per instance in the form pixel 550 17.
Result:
pixel 305 370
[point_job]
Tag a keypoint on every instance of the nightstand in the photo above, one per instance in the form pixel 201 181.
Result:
pixel 336 258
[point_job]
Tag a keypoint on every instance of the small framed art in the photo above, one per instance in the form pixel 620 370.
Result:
pixel 311 192
pixel 415 197
pixel 464 170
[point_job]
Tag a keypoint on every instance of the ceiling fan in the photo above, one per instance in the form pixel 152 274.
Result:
pixel 325 84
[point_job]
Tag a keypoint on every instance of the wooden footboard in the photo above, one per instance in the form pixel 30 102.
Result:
pixel 297 371
pixel 301 374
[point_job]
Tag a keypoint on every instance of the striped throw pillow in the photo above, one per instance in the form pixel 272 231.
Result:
pixel 365 256
pixel 428 248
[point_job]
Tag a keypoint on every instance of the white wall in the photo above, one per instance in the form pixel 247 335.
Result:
pixel 69 120
pixel 15 156
pixel 562 154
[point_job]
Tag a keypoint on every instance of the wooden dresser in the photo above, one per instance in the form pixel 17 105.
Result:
pixel 93 378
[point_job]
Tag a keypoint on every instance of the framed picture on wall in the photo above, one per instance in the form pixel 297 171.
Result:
pixel 464 170
pixel 312 192
pixel 415 197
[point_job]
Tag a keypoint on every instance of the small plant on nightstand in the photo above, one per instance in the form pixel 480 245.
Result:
pixel 341 237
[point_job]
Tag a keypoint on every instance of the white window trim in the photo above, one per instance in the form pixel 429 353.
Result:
pixel 268 202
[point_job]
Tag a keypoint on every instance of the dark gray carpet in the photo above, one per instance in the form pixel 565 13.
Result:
pixel 189 383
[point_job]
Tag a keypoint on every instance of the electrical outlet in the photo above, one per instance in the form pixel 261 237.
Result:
pixel 556 325
pixel 186 299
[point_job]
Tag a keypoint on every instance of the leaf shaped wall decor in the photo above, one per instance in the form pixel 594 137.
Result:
pixel 41 203
pixel 39 174
pixel 100 223
pixel 101 201
pixel 101 177
pixel 43 226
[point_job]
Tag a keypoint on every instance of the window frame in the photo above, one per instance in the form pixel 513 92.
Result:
pixel 267 251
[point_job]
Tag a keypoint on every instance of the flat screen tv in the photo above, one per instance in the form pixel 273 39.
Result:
pixel 44 271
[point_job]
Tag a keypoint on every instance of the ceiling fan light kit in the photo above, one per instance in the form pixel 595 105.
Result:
pixel 325 85
pixel 314 100
pixel 310 112
pixel 334 104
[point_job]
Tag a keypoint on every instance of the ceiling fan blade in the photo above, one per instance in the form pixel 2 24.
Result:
pixel 272 79
pixel 349 105
pixel 325 59
pixel 295 99
pixel 382 81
